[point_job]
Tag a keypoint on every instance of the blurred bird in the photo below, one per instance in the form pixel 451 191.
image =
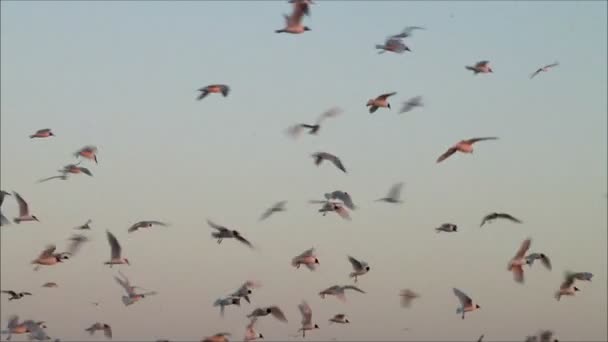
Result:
pixel 393 195
pixel 447 227
pixel 392 45
pixel 567 287
pixel 307 324
pixel 320 156
pixel 516 263
pixel 14 327
pixel 61 177
pixel 245 290
pixel 342 196
pixel 85 226
pixel 48 257
pixel 308 259
pixel 580 275
pixel 219 337
pixel 407 296
pixel 132 296
pixel 539 256
pixel 107 329
pixel 225 233
pixel 293 22
pixel 76 242
pixel 411 104
pixel 379 102
pixel 542 336
pixel 339 318
pixel 338 291
pixel 24 211
pixel 16 295
pixel 213 88
pixel 464 146
pixel 250 333
pixel 337 208
pixel 274 310
pixel 42 133
pixel 87 152
pixel 3 220
pixel 75 169
pixel 145 224
pixel 295 130
pixel 543 69
pixel 482 67
pixel 223 302
pixel 50 285
pixel 480 339
pixel 493 216
pixel 359 267
pixel 277 207
pixel 407 32
pixel 116 251
pixel 466 303
pixel 35 330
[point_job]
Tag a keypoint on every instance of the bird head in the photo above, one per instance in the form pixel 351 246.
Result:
pixel 268 310
pixel 367 268
pixel 347 321
pixel 477 307
pixel 248 291
pixel 236 301
pixel 316 326
pixel 407 49
pixel 51 134
pixel 490 70
pixel 261 336
pixel 306 28
pixel 455 227
pixel 317 261
pixel 576 289
pixel 143 296
pixel 388 105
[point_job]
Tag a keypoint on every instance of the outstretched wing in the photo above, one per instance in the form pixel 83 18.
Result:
pixel 356 263
pixel 23 207
pixel 446 154
pixel 306 312
pixel 385 96
pixel 509 217
pixel 395 191
pixel 525 245
pixel 464 299
pixel 243 240
pixel 474 140
pixel 114 245
pixel 48 252
pixel 277 313
pixel 352 287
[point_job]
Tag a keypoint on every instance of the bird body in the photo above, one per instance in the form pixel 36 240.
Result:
pixel 379 102
pixel 307 323
pixel 307 258
pixel 225 233
pixel 116 251
pixel 392 44
pixel 466 303
pixel 359 267
pixel 213 89
pixel 464 146
pixel 482 67
pixel 339 318
pixel 87 152
pixel 24 211
pixel 16 295
pixel 42 133
pixel 447 227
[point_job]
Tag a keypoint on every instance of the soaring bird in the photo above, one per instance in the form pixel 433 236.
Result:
pixel 393 195
pixel 567 287
pixel 277 207
pixel 379 102
pixel 245 290
pixel 466 303
pixel 307 324
pixel 342 196
pixel 339 318
pixel 213 88
pixel 48 257
pixel 293 22
pixel 543 69
pixel 493 216
pixel 24 210
pixel 116 251
pixel 225 233
pixel 464 146
pixel 359 267
pixel 321 156
pixel 295 130
pixel 482 67
pixel 338 291
pixel 132 296
pixel 447 227
pixel 223 302
pixel 391 44
pixel 87 152
pixel 42 133
pixel 307 258
pixel 516 263
pixel 407 32
pixel 145 224
pixel 411 104
pixel 407 296
pixel 16 295
pixel 273 310
pixel 85 226
pixel 544 259
pixel 106 328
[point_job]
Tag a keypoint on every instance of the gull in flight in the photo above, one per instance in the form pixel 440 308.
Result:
pixel 307 324
pixel 543 69
pixel 411 104
pixel 48 257
pixel 586 276
pixel 295 130
pixel 447 227
pixel 544 259
pixel 466 303
pixel 407 32
pixel 339 318
pixel 293 22
pixel 116 251
pixel 342 196
pixel 85 226
pixel 106 328
pixel 335 207
pixel 379 102
pixel 3 220
pixel 393 195
pixel 407 296
pixel 219 337
pixel 223 302
pixel 245 290
pixel 132 296
pixel 225 233
pixel 61 177
pixel 43 133
pixel 250 333
pixel 493 216
pixel 464 146
pixel 359 267
pixel 482 67
pixel 517 262
pixel 14 327
pixel 567 287
pixel 76 241
pixel 320 156
pixel 24 211
pixel 542 336
pixel 16 295
pixel 308 259
pixel 50 284
pixel 213 88
pixel 395 45
pixel 274 310
pixel 75 169
pixel 276 208
pixel 87 152
pixel 145 224
pixel 338 291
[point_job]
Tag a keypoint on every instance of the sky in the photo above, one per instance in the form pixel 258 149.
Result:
pixel 123 76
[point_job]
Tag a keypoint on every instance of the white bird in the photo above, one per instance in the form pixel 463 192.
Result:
pixel 342 196
pixel 339 318
pixel 379 102
pixel 106 328
pixel 391 44
pixel 321 156
pixel 307 258
pixel 307 324
pixel 132 296
pixel 14 327
pixel 464 146
pixel 116 253
pixel 567 287
pixel 411 104
pixel 407 296
pixel 544 69
pixel 223 302
pixel 359 267
pixel 48 257
pixel 447 227
pixel 24 211
pixel 338 291
pixel 393 195
pixel 277 207
pixel 225 233
pixel 145 224
pixel 273 310
pixel 245 290
pixel 250 333
pixel 517 262
pixel 3 220
pixel 35 330
pixel 466 303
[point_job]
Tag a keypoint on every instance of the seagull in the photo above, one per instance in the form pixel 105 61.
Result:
pixel 36 330
pixel 61 177
pixel 543 69
pixel 245 290
pixel 293 22
pixel 24 211
pixel 360 267
pixel 213 88
pixel 75 169
pixel 464 146
pixel 320 156
pixel 493 216
pixel 48 257
pixel 482 67
pixel 395 45
pixel 542 336
pixel 295 130
pixel 107 329
pixel 225 233
pixel 407 296
pixel 339 318
pixel 338 291
pixel 516 263
pixel 342 196
pixel 115 255
pixel 16 295
pixel 407 32
pixel 274 310
pixel 42 133
pixel 308 259
pixel 307 324
pixel 335 207
pixel 250 333
pixel 539 256
pixel 132 296
pixel 219 337
pixel 447 227
pixel 393 194
pixel 277 207
pixel 85 226
pixel 76 241
pixel 411 104
pixel 145 224
pixel 567 287
pixel 379 102
pixel 223 302
pixel 466 303
pixel 50 284
pixel 581 275
pixel 3 220
pixel 14 327
pixel 87 152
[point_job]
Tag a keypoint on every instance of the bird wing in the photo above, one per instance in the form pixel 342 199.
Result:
pixel 385 96
pixel 44 130
pixel 224 89
pixel 85 171
pixel 203 94
pixel 538 71
pixel 464 299
pixel 107 331
pixel 356 263
pixel 216 226
pixel 278 313
pixel 13 321
pixel 337 162
pixel 546 261
pixel 509 217
pixel 330 113
pixel 266 214
pixel 36 332
pixel 63 177
pixel 2 194
pixel 48 252
pixel 3 220
pixel 480 338
pixel 295 130
pixel 446 154
pixel 482 63
pixel 351 287
pixel 10 292
pixel 135 227
pixel 243 240
pixel 306 312
pixel 552 65
pixel 125 284
pixel 114 245
pixel 157 223
pixel 518 273
pixel 307 253
pixel 344 197
pixel 300 8
pixel 582 275
pixel 395 191
pixel 568 281
pixel 75 242
pixel 340 210
pixel 23 207
pixel 525 245
pixel 474 140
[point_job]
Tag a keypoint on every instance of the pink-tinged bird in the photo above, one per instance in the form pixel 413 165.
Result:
pixel 293 22
pixel 50 284
pixel 567 288
pixel 307 323
pixel 213 88
pixel 464 146
pixel 107 330
pixel 518 261
pixel 250 333
pixel 145 224
pixel 379 102
pixel 87 152
pixel 75 169
pixel 24 211
pixel 395 45
pixel 42 133
pixel 321 156
pixel 219 337
pixel 336 207
pixel 543 69
pixel 338 291
pixel 48 257
pixel 466 303
pixel 116 251
pixel 14 327
pixel 482 67
pixel 308 259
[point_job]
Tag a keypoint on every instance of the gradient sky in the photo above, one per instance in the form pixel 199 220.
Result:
pixel 123 76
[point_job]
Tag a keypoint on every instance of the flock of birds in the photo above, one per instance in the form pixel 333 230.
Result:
pixel 339 202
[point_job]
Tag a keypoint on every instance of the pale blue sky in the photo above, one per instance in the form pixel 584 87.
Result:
pixel 123 76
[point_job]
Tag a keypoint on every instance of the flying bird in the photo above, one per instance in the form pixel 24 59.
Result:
pixel 307 258
pixel 219 337
pixel 225 233
pixel 480 339
pixel 16 295
pixel 335 207
pixel 116 251
pixel 482 67
pixel 224 302
pixel 213 88
pixel 87 152
pixel 277 207
pixel 3 220
pixel 50 284
pixel 407 296
pixel 274 310
pixel 393 195
pixel 542 336
pixel 379 102
pixel 307 324
pixel 586 276
pixel 407 32
pixel 466 303
pixel 132 296
pixel 464 146
pixel 293 22
pixel 342 196
pixel 42 133
pixel 75 169
pixel 411 104
pixel 61 177
pixel 338 291
pixel 145 224
pixel 24 211
pixel 245 290
pixel 106 328
pixel 493 216
pixel 544 259
pixel 321 156
pixel 76 242
pixel 85 226
pixel 567 287
pixel 447 227
pixel 395 45
pixel 14 327
pixel 339 318
pixel 295 130
pixel 48 257
pixel 516 263
pixel 250 333
pixel 36 330
pixel 359 267
pixel 543 69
